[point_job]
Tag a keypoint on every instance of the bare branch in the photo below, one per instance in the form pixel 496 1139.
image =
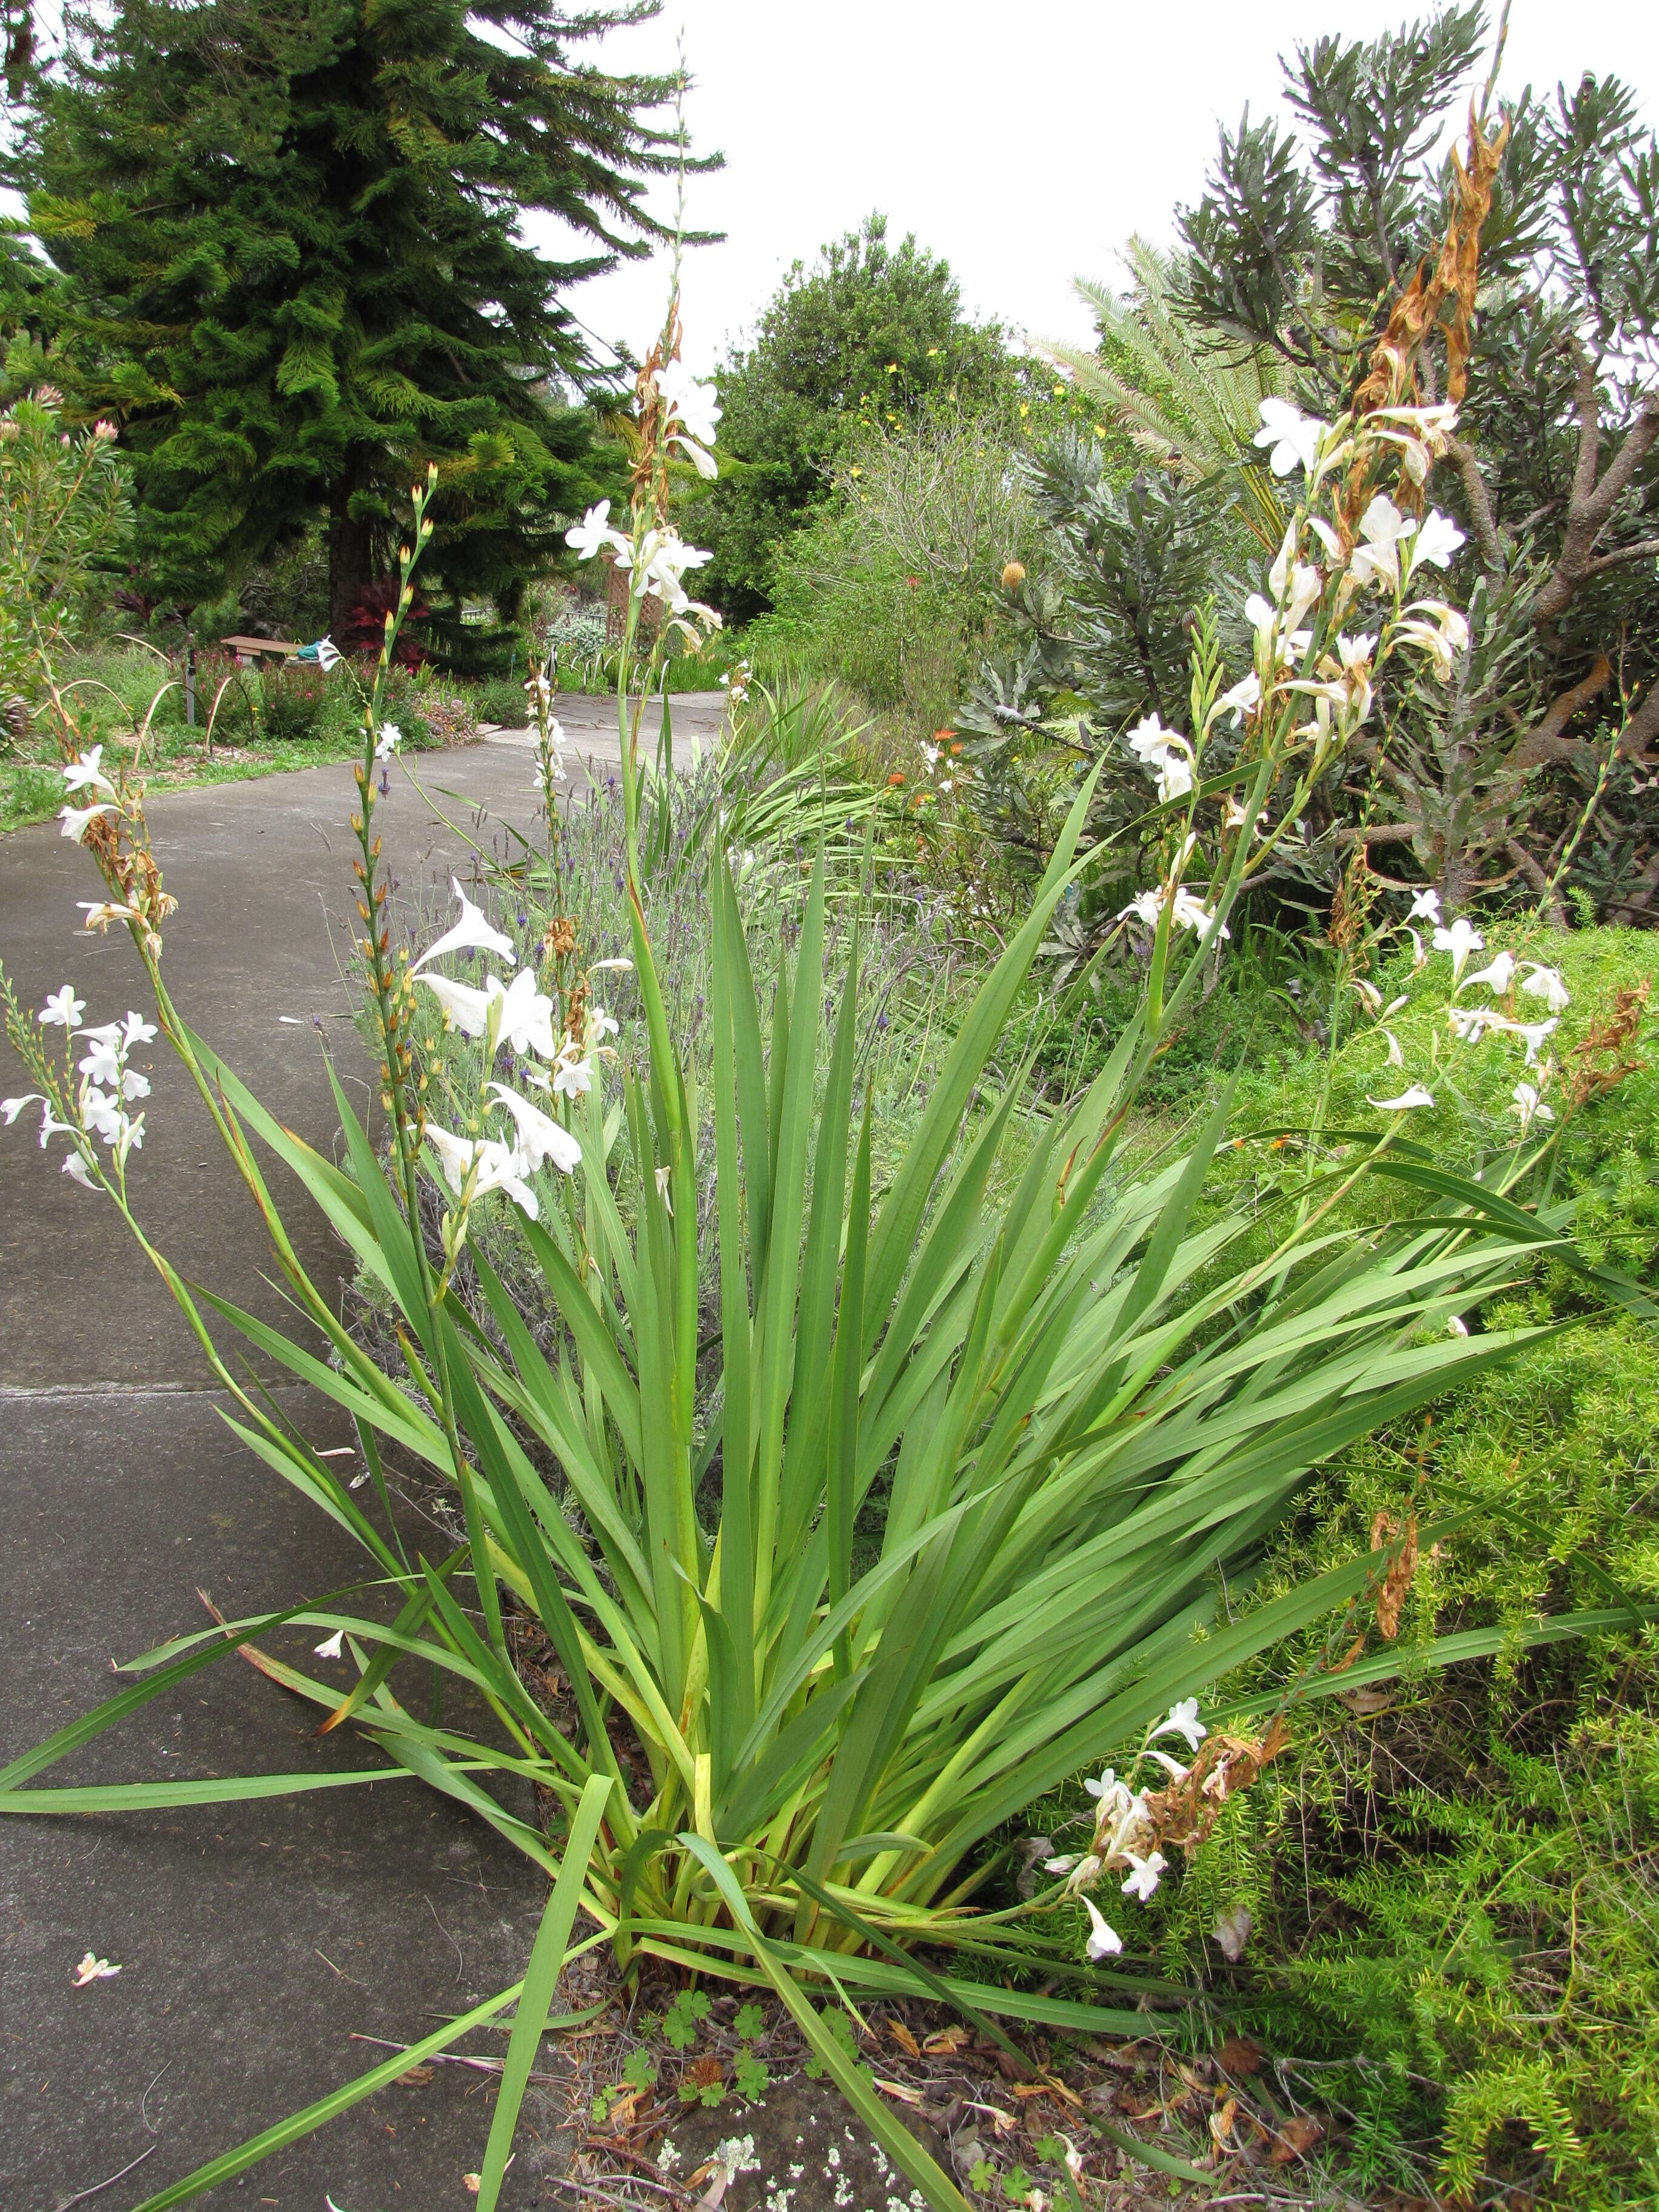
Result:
pixel 1639 551
pixel 1592 501
pixel 1493 560
pixel 1545 742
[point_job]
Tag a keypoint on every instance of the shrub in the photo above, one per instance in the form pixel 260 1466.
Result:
pixel 292 702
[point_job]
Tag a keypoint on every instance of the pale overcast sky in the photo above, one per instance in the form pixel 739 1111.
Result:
pixel 1025 143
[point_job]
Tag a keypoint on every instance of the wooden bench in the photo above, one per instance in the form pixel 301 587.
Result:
pixel 249 650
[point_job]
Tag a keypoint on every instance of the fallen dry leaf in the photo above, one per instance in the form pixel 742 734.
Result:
pixel 1363 1703
pixel 1239 2056
pixel 1294 2139
pixel 948 2041
pixel 899 2089
pixel 1221 2124
pixel 901 2035
pixel 92 1969
pixel 706 2071
pixel 472 2183
pixel 416 2078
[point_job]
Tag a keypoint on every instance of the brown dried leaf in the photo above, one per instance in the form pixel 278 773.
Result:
pixel 1221 2124
pixel 901 2035
pixel 706 2071
pixel 1361 1703
pixel 1402 1574
pixel 1294 2139
pixel 1239 2056
pixel 416 2078
pixel 948 2041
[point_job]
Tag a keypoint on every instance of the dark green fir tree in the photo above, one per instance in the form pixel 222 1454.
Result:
pixel 297 270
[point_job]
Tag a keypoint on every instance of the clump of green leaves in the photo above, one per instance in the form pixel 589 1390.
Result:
pixel 679 2025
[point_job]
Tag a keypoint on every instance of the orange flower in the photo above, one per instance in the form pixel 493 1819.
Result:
pixel 894 780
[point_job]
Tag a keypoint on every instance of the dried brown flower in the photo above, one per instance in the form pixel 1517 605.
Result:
pixel 1402 1574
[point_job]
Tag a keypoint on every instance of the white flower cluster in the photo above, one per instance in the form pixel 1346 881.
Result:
pixel 1123 1822
pixel 520 1017
pixel 1459 938
pixel 86 774
pixel 108 1087
pixel 655 565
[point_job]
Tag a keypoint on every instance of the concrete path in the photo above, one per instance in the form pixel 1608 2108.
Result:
pixel 257 1942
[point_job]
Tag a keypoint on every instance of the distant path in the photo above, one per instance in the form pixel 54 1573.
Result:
pixel 255 1942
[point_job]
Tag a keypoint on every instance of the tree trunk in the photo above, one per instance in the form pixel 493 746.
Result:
pixel 350 557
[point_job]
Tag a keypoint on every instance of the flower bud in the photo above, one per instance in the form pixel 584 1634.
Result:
pixel 1013 575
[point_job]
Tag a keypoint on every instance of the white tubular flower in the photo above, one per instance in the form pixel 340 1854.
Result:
pixel 1436 541
pixel 692 402
pixel 1436 420
pixel 1150 742
pixel 1396 1058
pixel 1369 993
pixel 500 1166
pixel 463 1008
pixel 601 1024
pixel 594 534
pixel 1191 913
pixel 540 1137
pixel 1174 779
pixel 1496 976
pixel 1425 906
pixel 1294 585
pixel 1172 1767
pixel 1104 1942
pixel 1459 940
pixel 573 1073
pixel 1457 1326
pixel 103 1063
pixel 75 818
pixel 1536 1033
pixel 1419 957
pixel 77 1170
pixel 11 1108
pixel 471 933
pixel 62 1006
pixel 1111 1794
pixel 1183 1721
pixel 526 1015
pixel 1143 1874
pixel 1295 438
pixel 86 775
pixel 601 967
pixel 330 1646
pixel 138 1031
pixel 1470 1023
pixel 390 738
pixel 1271 631
pixel 1384 530
pixel 1243 699
pixel 328 654
pixel 1546 983
pixel 1417 1095
pixel 1529 1106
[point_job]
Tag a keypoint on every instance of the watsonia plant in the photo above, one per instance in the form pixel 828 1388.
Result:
pixel 1086 1421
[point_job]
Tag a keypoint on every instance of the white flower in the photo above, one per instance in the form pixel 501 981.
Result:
pixel 1430 626
pixel 85 774
pixel 328 654
pixel 471 933
pixel 1536 1033
pixel 1471 1023
pixel 1546 983
pixel 1143 1875
pixel 1497 976
pixel 77 1170
pixel 63 1006
pixel 103 1062
pixel 1384 530
pixel 11 1108
pixel 573 1073
pixel 1529 1106
pixel 540 1137
pixel 664 1178
pixel 329 1647
pixel 1396 1058
pixel 1264 619
pixel 1426 904
pixel 1150 742
pixel 75 819
pixel 1191 913
pixel 1457 1326
pixel 691 400
pixel 1436 541
pixel 526 1015
pixel 1174 779
pixel 465 1008
pixel 598 967
pixel 1104 1942
pixel 1183 1721
pixel 1243 699
pixel 1109 1790
pixel 1060 1865
pixel 593 533
pixel 600 1024
pixel 500 1167
pixel 1295 438
pixel 1417 1095
pixel 390 738
pixel 1459 940
pixel 1172 1767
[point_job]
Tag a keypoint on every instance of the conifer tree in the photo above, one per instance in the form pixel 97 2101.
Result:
pixel 297 273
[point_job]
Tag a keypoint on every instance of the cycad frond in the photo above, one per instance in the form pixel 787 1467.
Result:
pixel 1198 413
